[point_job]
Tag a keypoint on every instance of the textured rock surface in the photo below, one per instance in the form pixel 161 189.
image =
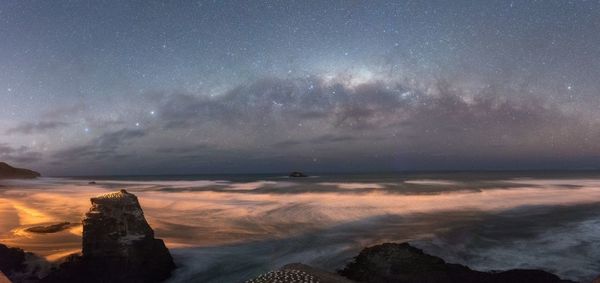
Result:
pixel 118 245
pixel 403 263
pixel 9 172
pixel 297 272
pixel 321 275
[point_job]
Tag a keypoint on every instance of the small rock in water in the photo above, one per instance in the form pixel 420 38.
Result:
pixel 47 229
pixel 298 174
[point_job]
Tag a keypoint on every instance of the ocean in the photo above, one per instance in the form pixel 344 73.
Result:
pixel 230 228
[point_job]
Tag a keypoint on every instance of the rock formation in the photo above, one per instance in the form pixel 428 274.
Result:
pixel 297 272
pixel 50 228
pixel 20 266
pixel 12 260
pixel 297 174
pixel 403 263
pixel 118 245
pixel 9 172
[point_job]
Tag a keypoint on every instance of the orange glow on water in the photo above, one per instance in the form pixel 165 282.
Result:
pixel 188 218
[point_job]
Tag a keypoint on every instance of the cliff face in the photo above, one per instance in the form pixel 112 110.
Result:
pixel 118 245
pixel 114 227
pixel 9 172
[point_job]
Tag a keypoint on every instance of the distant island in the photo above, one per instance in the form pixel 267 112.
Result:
pixel 9 172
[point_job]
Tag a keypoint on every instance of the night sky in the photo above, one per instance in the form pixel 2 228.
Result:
pixel 190 87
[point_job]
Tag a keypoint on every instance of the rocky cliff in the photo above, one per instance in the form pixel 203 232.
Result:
pixel 9 172
pixel 118 245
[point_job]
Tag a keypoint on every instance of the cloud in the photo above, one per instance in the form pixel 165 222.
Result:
pixel 106 146
pixel 289 112
pixel 36 128
pixel 19 155
pixel 341 123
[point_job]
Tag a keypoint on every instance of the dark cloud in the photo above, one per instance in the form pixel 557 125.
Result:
pixel 442 116
pixel 19 155
pixel 104 147
pixel 319 122
pixel 37 127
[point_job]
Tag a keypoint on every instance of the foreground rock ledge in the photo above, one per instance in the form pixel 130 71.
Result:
pixel 393 262
pixel 402 263
pixel 118 245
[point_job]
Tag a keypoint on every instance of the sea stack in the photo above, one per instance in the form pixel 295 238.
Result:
pixel 118 245
pixel 9 172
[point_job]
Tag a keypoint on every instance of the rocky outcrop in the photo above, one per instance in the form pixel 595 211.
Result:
pixel 297 174
pixel 12 260
pixel 50 228
pixel 403 263
pixel 9 172
pixel 297 272
pixel 118 245
pixel 20 266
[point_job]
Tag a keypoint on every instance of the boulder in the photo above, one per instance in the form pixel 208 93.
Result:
pixel 9 172
pixel 118 245
pixel 403 263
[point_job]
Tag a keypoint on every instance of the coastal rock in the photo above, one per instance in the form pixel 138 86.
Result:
pixel 118 245
pixel 403 263
pixel 297 174
pixel 20 266
pixel 51 228
pixel 12 260
pixel 297 272
pixel 9 172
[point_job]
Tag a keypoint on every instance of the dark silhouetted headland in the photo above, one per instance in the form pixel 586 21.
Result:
pixel 9 172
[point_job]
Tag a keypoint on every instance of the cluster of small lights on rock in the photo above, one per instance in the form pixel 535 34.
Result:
pixel 284 276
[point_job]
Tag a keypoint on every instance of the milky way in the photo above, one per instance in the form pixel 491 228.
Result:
pixel 148 87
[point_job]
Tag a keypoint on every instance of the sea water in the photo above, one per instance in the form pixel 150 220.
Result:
pixel 229 228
